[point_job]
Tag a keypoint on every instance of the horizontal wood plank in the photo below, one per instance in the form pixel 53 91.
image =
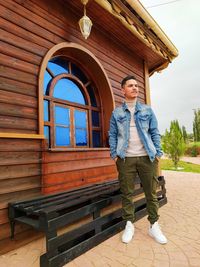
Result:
pixel 5 229
pixel 17 158
pixel 22 100
pixel 17 14
pixel 74 155
pixel 6 84
pixel 16 196
pixel 20 184
pixel 18 111
pixel 19 64
pixel 13 51
pixel 66 177
pixel 8 122
pixel 18 171
pixel 18 41
pixel 72 185
pixel 12 145
pixel 3 216
pixel 17 133
pixel 36 41
pixel 77 165
pixel 17 75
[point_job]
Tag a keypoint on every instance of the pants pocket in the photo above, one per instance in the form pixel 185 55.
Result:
pixel 155 183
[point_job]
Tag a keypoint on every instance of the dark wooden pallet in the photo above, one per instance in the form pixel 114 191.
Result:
pixel 50 213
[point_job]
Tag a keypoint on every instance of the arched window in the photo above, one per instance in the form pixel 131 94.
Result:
pixel 72 110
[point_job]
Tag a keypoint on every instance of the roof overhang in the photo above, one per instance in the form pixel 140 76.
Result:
pixel 128 23
pixel 135 18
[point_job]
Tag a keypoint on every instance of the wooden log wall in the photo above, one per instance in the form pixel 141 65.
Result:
pixel 20 178
pixel 29 28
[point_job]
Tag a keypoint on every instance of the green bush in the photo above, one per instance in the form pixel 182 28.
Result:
pixel 193 150
pixel 173 143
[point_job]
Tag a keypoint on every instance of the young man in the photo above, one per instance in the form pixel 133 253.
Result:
pixel 135 146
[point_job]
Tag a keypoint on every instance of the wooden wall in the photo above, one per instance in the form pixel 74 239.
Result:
pixel 29 28
pixel 20 177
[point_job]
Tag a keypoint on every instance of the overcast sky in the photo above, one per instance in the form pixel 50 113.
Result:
pixel 175 92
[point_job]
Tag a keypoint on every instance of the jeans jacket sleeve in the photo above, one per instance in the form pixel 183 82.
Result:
pixel 155 135
pixel 113 132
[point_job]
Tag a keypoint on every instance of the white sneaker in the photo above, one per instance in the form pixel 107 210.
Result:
pixel 128 232
pixel 156 233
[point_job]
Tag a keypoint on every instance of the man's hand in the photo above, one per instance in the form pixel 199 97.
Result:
pixel 157 158
pixel 115 159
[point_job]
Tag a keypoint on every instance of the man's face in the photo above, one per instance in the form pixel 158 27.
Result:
pixel 130 89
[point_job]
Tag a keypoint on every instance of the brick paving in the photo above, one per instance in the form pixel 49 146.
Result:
pixel 180 221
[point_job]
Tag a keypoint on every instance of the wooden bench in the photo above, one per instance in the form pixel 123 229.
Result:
pixel 52 212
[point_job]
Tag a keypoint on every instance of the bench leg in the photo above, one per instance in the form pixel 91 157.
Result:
pixel 50 253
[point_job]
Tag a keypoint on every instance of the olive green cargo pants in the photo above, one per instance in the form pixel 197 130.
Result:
pixel 128 169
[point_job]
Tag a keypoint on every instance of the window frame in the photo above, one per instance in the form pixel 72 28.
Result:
pixel 72 106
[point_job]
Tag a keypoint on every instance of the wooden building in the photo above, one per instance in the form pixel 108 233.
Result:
pixel 57 91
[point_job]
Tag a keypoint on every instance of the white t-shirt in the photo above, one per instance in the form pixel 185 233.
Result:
pixel 135 146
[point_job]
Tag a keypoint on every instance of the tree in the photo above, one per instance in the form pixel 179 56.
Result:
pixel 173 143
pixel 190 137
pixel 185 135
pixel 196 125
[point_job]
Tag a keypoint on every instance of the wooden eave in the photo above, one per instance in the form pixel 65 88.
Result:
pixel 123 24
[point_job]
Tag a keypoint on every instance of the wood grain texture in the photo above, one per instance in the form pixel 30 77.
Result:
pixel 29 29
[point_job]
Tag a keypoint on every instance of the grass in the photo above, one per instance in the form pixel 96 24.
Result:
pixel 167 164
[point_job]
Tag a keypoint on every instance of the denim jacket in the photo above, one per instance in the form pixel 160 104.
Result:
pixel 147 127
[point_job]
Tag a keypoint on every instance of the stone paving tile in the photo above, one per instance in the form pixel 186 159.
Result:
pixel 160 263
pixel 179 220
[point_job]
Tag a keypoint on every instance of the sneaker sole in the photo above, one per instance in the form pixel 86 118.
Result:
pixel 126 242
pixel 160 242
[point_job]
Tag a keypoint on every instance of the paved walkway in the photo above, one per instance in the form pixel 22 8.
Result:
pixel 195 160
pixel 180 221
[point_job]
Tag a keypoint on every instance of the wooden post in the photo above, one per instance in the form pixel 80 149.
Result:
pixel 146 81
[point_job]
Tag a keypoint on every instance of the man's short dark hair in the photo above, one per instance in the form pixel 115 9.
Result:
pixel 129 77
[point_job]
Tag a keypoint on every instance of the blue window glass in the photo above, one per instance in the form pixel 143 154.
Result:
pixel 76 71
pixel 96 138
pixel 61 115
pixel 80 118
pixel 46 133
pixel 67 90
pixel 62 136
pixel 58 66
pixel 81 137
pixel 46 110
pixel 92 96
pixel 47 79
pixel 95 118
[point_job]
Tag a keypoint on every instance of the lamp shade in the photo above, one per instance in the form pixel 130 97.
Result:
pixel 85 24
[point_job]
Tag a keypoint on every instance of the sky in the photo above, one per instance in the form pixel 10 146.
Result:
pixel 175 92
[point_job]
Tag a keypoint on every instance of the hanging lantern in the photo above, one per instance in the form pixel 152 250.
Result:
pixel 85 22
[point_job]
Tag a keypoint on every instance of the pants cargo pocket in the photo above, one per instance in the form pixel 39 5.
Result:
pixel 155 183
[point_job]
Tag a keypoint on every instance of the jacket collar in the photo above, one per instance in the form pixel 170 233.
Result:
pixel 138 106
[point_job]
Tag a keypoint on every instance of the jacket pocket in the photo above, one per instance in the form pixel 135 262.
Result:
pixel 121 119
pixel 144 121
